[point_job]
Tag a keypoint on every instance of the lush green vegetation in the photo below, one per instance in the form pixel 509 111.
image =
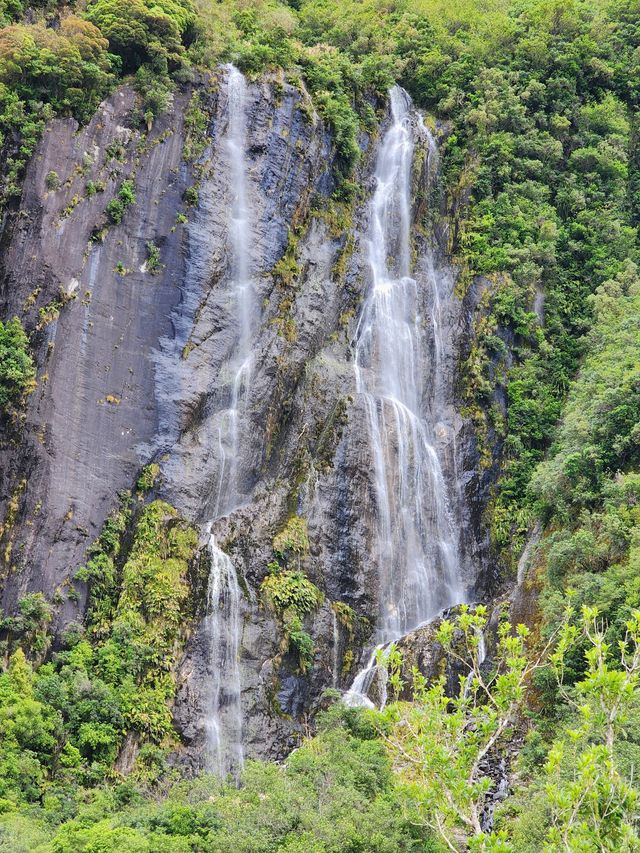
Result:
pixel 63 722
pixel 44 71
pixel 587 491
pixel 289 592
pixel 17 371
pixel 125 197
pixel 538 106
pixel 336 793
pixel 583 798
pixel 540 164
pixel 143 32
pixel 410 778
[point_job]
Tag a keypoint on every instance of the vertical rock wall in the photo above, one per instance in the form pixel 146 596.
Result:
pixel 132 370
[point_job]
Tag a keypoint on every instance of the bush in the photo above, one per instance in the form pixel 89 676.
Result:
pixel 140 31
pixel 335 793
pixel 52 180
pixel 32 623
pixel 153 257
pixel 293 539
pixel 10 10
pixel 290 593
pixel 300 642
pixel 29 733
pixel 191 196
pixel 68 68
pixel 17 371
pixel 125 198
pixel 291 590
pixel 65 724
pixel 147 479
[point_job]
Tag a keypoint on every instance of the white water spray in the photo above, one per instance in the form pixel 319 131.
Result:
pixel 415 547
pixel 223 627
pixel 223 621
pixel 242 291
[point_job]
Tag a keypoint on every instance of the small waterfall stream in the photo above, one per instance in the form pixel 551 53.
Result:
pixel 415 546
pixel 399 353
pixel 223 628
pixel 223 622
pixel 241 288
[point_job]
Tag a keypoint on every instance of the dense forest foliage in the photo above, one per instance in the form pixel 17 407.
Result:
pixel 537 108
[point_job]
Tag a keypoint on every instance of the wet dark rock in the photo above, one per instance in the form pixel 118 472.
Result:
pixel 133 369
pixel 94 406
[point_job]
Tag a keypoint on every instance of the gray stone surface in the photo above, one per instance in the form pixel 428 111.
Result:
pixel 156 346
pixel 95 402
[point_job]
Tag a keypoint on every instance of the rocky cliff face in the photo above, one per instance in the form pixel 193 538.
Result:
pixel 95 331
pixel 132 370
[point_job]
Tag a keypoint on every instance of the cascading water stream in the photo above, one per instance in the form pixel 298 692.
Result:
pixel 243 296
pixel 223 621
pixel 223 628
pixel 415 546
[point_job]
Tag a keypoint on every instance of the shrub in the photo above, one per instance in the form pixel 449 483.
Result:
pixel 68 67
pixel 155 90
pixel 33 622
pixel 17 371
pixel 291 590
pixel 148 477
pixel 52 180
pixel 144 612
pixel 29 731
pixel 293 539
pixel 191 196
pixel 153 257
pixel 300 642
pixel 140 31
pixel 10 10
pixel 125 198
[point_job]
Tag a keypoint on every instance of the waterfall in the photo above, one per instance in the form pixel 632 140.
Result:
pixel 415 548
pixel 223 630
pixel 229 493
pixel 223 622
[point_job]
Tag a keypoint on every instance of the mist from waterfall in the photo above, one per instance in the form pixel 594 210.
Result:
pixel 415 547
pixel 223 623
